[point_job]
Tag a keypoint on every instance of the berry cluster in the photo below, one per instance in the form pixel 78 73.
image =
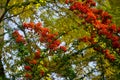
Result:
pixel 33 63
pixel 18 37
pixel 101 23
pixel 51 40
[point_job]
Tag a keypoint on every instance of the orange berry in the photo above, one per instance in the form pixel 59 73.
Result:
pixel 33 61
pixel 63 48
pixel 42 72
pixel 27 75
pixel 37 54
pixel 66 1
pixel 27 67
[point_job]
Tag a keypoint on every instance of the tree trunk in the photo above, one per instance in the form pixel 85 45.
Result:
pixel 2 74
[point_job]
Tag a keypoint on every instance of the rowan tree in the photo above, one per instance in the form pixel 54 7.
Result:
pixel 73 39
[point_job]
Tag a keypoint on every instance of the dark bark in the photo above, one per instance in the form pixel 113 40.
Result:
pixel 3 11
pixel 2 74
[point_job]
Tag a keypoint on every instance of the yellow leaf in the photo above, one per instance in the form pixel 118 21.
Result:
pixel 47 78
pixel 41 62
pixel 109 72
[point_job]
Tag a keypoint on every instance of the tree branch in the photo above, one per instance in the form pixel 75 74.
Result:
pixel 5 11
